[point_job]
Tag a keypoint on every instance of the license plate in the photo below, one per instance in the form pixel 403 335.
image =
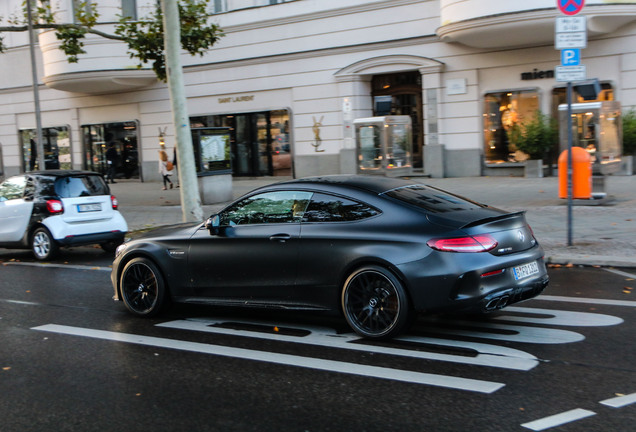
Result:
pixel 83 208
pixel 525 270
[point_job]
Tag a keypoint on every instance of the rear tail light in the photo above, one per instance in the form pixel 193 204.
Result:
pixel 54 206
pixel 114 202
pixel 477 243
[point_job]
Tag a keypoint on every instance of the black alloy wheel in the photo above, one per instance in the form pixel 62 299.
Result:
pixel 143 289
pixel 43 246
pixel 374 303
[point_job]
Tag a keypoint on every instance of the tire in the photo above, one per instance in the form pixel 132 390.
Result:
pixel 43 246
pixel 143 288
pixel 110 247
pixel 375 303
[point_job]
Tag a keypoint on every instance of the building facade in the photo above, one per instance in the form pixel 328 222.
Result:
pixel 289 78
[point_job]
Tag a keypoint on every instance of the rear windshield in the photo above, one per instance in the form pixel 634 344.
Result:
pixel 432 200
pixel 79 186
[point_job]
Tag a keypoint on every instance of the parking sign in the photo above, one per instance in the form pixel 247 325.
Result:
pixel 570 7
pixel 570 57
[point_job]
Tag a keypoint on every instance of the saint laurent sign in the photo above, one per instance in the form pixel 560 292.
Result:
pixel 229 99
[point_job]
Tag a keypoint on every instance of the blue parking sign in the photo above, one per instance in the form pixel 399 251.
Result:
pixel 570 57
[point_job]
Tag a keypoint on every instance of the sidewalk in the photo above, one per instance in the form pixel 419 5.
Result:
pixel 602 235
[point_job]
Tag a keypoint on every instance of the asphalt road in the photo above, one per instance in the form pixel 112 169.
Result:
pixel 71 359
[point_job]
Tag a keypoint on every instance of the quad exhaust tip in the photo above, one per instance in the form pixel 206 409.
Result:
pixel 497 303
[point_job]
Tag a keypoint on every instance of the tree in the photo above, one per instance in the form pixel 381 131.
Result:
pixel 144 37
pixel 145 40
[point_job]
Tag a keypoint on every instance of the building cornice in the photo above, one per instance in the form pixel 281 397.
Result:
pixel 532 28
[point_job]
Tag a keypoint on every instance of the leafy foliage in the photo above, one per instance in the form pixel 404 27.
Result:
pixel 535 137
pixel 144 37
pixel 629 132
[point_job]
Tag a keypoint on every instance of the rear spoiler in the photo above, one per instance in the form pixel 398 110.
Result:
pixel 494 219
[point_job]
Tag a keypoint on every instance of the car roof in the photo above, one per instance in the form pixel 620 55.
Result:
pixel 61 173
pixel 375 184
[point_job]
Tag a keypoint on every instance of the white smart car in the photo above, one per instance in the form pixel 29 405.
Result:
pixel 43 210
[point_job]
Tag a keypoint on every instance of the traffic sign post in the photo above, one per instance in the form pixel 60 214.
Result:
pixel 570 36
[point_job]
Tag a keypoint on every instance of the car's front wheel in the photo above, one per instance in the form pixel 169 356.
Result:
pixel 375 303
pixel 43 246
pixel 143 288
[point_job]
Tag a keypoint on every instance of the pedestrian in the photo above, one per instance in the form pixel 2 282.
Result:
pixel 165 167
pixel 112 158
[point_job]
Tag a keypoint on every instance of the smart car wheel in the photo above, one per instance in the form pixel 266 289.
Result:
pixel 43 245
pixel 374 303
pixel 110 246
pixel 143 289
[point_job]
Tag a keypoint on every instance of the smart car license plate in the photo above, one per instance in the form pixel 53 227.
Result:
pixel 83 208
pixel 525 270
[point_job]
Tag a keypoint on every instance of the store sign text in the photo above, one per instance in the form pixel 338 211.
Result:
pixel 537 74
pixel 236 99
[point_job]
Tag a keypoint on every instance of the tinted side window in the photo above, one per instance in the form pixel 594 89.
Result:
pixel 268 207
pixel 329 208
pixel 431 199
pixel 73 187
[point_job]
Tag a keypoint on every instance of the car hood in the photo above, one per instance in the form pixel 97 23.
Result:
pixel 177 231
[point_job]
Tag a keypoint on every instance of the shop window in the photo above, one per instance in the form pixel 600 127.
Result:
pixel 260 142
pixel 57 148
pixel 503 111
pixel 124 135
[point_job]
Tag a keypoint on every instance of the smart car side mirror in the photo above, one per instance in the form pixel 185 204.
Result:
pixel 213 224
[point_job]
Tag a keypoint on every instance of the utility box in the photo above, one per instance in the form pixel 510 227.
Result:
pixel 384 145
pixel 597 128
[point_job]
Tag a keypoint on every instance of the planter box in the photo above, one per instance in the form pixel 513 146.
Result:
pixel 533 168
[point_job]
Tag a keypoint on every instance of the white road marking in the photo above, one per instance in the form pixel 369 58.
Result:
pixel 558 419
pixel 560 317
pixel 587 300
pixel 620 401
pixel 284 359
pixel 64 266
pixel 620 273
pixel 510 333
pixel 487 355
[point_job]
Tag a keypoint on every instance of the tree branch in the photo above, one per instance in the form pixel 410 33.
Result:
pixel 54 26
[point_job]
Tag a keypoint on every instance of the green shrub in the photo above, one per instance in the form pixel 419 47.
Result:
pixel 537 136
pixel 629 132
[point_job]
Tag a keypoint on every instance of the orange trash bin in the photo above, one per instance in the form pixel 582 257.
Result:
pixel 581 174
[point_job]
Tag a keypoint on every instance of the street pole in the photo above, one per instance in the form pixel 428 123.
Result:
pixel 569 97
pixel 36 92
pixel 190 200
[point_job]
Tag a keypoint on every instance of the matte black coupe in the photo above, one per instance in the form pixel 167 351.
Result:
pixel 377 249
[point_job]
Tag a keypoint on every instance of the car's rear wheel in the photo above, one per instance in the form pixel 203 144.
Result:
pixel 43 246
pixel 143 288
pixel 375 303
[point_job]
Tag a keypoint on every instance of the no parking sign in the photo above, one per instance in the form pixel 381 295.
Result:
pixel 570 7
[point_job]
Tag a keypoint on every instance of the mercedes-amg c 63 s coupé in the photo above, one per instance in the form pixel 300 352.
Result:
pixel 377 249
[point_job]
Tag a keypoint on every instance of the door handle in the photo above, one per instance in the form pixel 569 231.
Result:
pixel 281 238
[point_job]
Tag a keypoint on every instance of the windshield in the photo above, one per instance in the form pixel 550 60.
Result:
pixel 432 200
pixel 87 185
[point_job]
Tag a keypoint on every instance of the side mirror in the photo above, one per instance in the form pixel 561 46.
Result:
pixel 213 223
